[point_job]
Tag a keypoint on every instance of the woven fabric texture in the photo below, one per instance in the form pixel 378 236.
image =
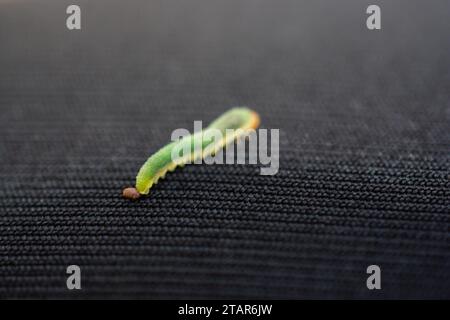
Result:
pixel 364 149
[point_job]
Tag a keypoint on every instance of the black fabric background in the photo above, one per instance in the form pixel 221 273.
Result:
pixel 364 159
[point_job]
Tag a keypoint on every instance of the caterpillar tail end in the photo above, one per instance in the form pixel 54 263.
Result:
pixel 255 120
pixel 131 193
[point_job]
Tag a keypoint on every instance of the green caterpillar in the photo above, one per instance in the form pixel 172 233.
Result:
pixel 161 162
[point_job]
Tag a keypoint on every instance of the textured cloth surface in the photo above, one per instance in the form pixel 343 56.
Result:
pixel 364 156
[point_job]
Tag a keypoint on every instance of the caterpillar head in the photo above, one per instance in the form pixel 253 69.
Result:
pixel 131 193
